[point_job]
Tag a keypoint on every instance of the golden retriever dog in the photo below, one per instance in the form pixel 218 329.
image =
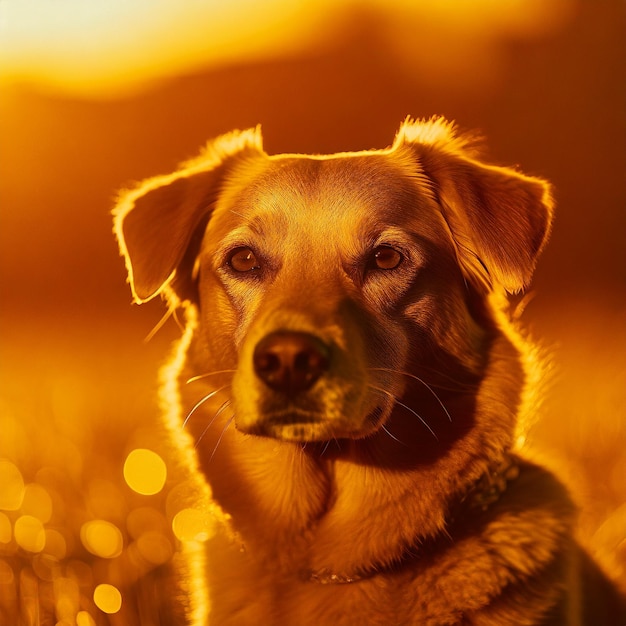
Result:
pixel 349 386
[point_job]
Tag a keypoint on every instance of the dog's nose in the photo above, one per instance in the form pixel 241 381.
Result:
pixel 290 362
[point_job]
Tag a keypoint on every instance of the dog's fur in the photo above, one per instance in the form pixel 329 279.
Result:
pixel 352 385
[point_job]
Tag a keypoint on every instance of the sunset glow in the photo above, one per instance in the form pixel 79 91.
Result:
pixel 118 46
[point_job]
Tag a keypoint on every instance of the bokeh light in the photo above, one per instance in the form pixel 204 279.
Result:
pixel 107 598
pixel 102 538
pixel 105 499
pixel 191 525
pixel 56 545
pixel 66 598
pixel 145 471
pixel 7 575
pixel 83 618
pixel 12 492
pixel 145 519
pixel 29 533
pixel 6 531
pixel 155 548
pixel 37 502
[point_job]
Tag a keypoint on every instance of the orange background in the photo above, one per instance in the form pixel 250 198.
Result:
pixel 82 116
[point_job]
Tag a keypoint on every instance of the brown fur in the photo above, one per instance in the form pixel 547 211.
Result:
pixel 362 497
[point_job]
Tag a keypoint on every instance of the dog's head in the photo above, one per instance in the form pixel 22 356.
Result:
pixel 328 284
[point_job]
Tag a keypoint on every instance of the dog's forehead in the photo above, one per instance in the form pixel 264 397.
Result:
pixel 359 188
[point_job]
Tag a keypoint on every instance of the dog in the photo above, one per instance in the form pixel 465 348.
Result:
pixel 350 386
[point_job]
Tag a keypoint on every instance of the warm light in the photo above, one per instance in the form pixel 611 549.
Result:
pixel 522 17
pixel 30 534
pixel 7 576
pixel 107 598
pixel 106 46
pixel 66 598
pixel 109 47
pixel 12 492
pixel 56 546
pixel 105 499
pixel 5 529
pixel 37 502
pixel 84 619
pixel 145 519
pixel 191 525
pixel 102 538
pixel 149 528
pixel 155 547
pixel 145 471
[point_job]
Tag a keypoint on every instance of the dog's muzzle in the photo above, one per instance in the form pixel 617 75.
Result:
pixel 293 385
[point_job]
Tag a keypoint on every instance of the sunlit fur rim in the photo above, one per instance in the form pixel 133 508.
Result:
pixel 214 153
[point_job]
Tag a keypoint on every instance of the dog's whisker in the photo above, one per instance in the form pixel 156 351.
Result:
pixel 193 379
pixel 408 408
pixel 202 400
pixel 421 419
pixel 217 414
pixel 423 382
pixel 457 384
pixel 219 439
pixel 393 436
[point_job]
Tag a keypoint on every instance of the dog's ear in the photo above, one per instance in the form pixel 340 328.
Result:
pixel 499 219
pixel 156 221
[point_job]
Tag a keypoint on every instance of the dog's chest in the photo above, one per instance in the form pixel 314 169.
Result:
pixel 252 594
pixel 246 591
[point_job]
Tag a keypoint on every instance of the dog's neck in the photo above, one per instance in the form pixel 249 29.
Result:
pixel 477 499
pixel 485 492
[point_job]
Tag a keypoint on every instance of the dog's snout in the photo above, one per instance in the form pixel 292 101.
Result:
pixel 290 362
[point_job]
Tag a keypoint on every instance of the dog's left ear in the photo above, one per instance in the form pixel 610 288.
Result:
pixel 156 222
pixel 499 219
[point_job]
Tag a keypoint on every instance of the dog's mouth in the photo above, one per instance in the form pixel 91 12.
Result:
pixel 299 426
pixel 293 425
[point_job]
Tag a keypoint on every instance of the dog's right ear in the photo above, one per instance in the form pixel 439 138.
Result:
pixel 155 222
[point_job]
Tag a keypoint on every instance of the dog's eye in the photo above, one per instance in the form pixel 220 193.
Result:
pixel 385 258
pixel 243 260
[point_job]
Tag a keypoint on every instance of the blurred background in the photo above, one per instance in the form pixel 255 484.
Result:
pixel 95 95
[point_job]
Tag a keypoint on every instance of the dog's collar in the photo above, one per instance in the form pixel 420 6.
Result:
pixel 481 495
pixel 491 485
